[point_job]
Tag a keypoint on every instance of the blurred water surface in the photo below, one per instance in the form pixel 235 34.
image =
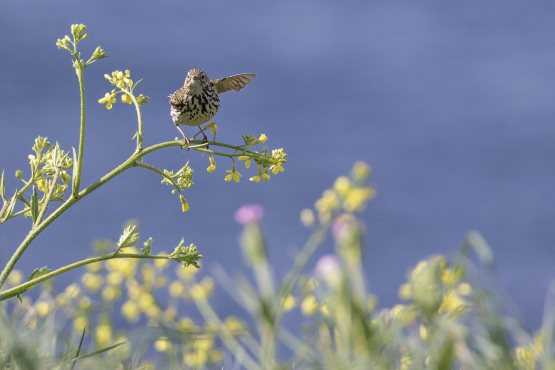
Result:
pixel 452 103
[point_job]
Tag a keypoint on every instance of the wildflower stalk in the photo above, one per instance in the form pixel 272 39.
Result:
pixel 227 338
pixel 47 200
pixel 140 121
pixel 77 176
pixel 29 284
pixel 132 161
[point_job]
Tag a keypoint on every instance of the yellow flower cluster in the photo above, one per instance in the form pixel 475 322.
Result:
pixel 434 289
pixel 347 194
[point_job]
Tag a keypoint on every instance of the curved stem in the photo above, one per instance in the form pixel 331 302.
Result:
pixel 77 176
pixel 130 162
pixel 140 119
pixel 47 200
pixel 29 284
pixel 148 167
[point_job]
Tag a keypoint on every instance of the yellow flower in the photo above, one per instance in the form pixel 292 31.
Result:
pixel 123 80
pixel 176 288
pixel 163 345
pixel 245 158
pixel 203 289
pixel 405 291
pixel 161 264
pixel 360 171
pixel 108 99
pixel 262 138
pixel 356 198
pixel 325 311
pixel 43 308
pixel 277 168
pixel 424 332
pixel 213 127
pixel 265 177
pixel 309 305
pixel 114 278
pixel 260 176
pixel 215 356
pixel 186 273
pixel 15 277
pixel 130 310
pixel 307 217
pixel 42 185
pixel 233 175
pixel 94 267
pixel 451 277
pixel 184 205
pixel 289 303
pixel 233 324
pixel 464 289
pixel 212 166
pixel 454 305
pixel 110 293
pixel 405 362
pixel 525 359
pixel 103 335
pixel 126 266
pixel 65 177
pixel 85 303
pixel 126 99
pixel 91 281
pixel 402 313
pixel 187 324
pixel 342 185
pixel 80 322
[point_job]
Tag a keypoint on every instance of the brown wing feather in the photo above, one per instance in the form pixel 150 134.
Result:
pixel 236 82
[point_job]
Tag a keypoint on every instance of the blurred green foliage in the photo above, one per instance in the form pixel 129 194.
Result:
pixel 454 314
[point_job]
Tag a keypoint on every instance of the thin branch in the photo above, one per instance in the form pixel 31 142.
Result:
pixel 47 200
pixel 29 284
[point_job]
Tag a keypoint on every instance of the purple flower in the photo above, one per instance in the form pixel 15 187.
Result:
pixel 341 224
pixel 249 213
pixel 327 266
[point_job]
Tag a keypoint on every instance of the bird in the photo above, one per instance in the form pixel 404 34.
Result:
pixel 197 101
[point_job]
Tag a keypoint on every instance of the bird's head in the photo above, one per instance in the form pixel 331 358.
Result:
pixel 196 80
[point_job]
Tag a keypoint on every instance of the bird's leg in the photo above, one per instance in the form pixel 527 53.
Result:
pixel 184 136
pixel 205 140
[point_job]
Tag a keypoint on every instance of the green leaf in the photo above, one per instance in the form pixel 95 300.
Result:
pixel 78 349
pixel 128 238
pixel 99 351
pixel 35 205
pixel 38 272
pixel 146 249
pixel 10 207
pixel 3 187
pixel 186 255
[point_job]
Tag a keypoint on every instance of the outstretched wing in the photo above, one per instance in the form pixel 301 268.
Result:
pixel 236 82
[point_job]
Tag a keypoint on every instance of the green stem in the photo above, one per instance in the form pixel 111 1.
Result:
pixel 148 167
pixel 77 176
pixel 4 206
pixel 227 338
pixel 29 284
pixel 140 119
pixel 47 200
pixel 130 162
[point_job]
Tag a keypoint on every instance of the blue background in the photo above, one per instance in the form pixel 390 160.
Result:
pixel 452 104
